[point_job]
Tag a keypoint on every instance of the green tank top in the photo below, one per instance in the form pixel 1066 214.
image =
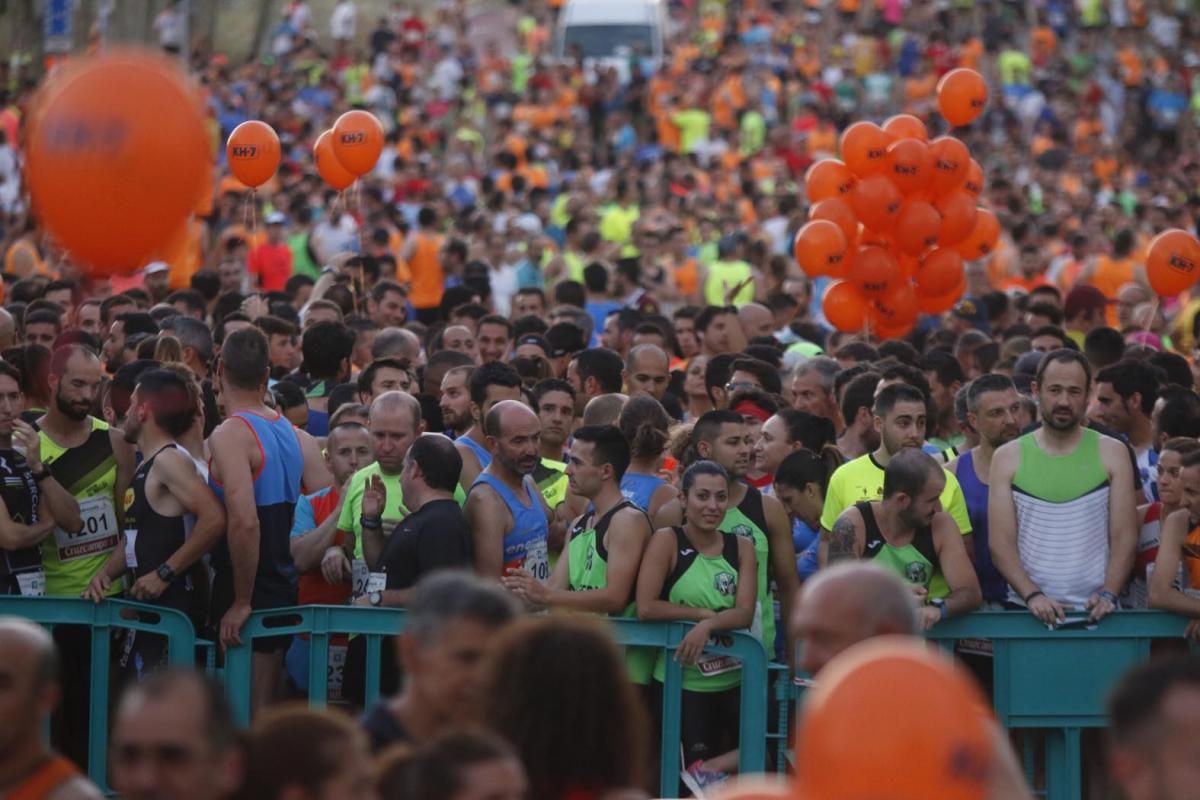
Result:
pixel 89 473
pixel 575 265
pixel 1060 479
pixel 701 581
pixel 749 520
pixel 722 277
pixel 587 570
pixel 915 562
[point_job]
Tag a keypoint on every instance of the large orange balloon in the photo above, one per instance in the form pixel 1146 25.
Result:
pixel 905 126
pixel 328 166
pixel 253 153
pixel 1173 262
pixel 939 272
pixel 909 165
pixel 837 211
pixel 917 227
pixel 859 737
pixel 117 160
pixel 358 141
pixel 975 182
pixel 897 307
pixel 820 248
pixel 961 96
pixel 827 178
pixel 844 307
pixel 958 212
pixel 873 270
pixel 951 160
pixel 983 236
pixel 939 304
pixel 876 202
pixel 864 147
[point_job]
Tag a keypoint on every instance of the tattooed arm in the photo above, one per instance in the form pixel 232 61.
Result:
pixel 846 538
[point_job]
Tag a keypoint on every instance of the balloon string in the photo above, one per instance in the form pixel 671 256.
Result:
pixel 252 210
pixel 1152 315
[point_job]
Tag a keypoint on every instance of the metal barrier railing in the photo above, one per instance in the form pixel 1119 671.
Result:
pixel 1054 680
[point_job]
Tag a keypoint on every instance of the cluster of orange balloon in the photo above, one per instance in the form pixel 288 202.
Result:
pixel 348 150
pixel 897 216
pixel 117 157
pixel 1173 262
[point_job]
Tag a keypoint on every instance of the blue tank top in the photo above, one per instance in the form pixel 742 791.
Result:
pixel 638 488
pixel 318 423
pixel 479 450
pixel 276 491
pixel 525 545
pixel 975 493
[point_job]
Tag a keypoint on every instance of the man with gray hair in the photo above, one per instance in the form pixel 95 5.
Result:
pixel 29 691
pixel 397 343
pixel 450 624
pixel 811 388
pixel 196 340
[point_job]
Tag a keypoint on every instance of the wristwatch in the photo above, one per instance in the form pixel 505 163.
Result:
pixel 375 598
pixel 165 573
pixel 41 475
pixel 940 605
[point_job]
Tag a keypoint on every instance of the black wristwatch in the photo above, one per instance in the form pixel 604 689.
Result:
pixel 40 476
pixel 165 573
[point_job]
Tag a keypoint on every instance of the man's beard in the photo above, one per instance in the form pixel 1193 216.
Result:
pixel 76 412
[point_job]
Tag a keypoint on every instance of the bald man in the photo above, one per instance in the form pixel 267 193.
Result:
pixel 29 692
pixel 851 602
pixel 510 522
pixel 756 320
pixel 398 343
pixel 604 409
pixel 647 369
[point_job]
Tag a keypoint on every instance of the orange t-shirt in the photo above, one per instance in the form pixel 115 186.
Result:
pixel 45 780
pixel 1110 275
pixel 428 280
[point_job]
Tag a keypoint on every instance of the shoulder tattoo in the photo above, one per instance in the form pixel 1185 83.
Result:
pixel 841 540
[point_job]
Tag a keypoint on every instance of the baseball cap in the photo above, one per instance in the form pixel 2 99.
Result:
pixel 275 218
pixel 1082 299
pixel 156 266
pixel 563 338
pixel 535 339
pixel 972 310
pixel 1028 363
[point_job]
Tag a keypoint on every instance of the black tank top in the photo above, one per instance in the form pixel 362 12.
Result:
pixel 873 540
pixel 158 537
pixel 20 494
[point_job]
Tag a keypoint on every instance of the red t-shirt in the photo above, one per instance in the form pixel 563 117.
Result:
pixel 272 263
pixel 314 589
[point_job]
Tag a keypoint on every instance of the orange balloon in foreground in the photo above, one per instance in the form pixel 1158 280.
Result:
pixel 837 211
pixel 328 166
pixel 909 165
pixel 975 182
pixel 917 227
pixel 983 237
pixel 864 148
pixel 939 304
pixel 905 126
pixel 939 272
pixel 896 308
pixel 1173 262
pixel 958 212
pixel 873 270
pixel 876 202
pixel 827 178
pixel 118 158
pixel 951 161
pixel 820 248
pixel 253 152
pixel 961 95
pixel 844 307
pixel 358 141
pixel 892 718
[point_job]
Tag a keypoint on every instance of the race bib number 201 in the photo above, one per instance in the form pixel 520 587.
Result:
pixel 99 532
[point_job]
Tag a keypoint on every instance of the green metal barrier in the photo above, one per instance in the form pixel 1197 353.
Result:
pixel 102 618
pixel 319 622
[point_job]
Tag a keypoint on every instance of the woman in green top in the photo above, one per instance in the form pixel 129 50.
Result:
pixel 696 573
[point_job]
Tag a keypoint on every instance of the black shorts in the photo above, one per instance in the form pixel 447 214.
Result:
pixel 708 721
pixel 263 598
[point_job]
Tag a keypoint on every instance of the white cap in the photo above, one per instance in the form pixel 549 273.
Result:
pixel 276 218
pixel 156 266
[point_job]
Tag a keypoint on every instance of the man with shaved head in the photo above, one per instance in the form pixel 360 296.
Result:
pixel 604 410
pixel 29 691
pixel 508 517
pixel 647 369
pixel 756 320
pixel 397 343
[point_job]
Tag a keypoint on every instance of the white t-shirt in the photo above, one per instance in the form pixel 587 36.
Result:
pixel 344 21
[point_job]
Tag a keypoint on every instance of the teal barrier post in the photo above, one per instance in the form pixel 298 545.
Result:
pixel 752 731
pixel 321 621
pixel 1059 679
pixel 101 618
pixel 318 622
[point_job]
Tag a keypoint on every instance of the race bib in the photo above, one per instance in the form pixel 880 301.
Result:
pixel 716 664
pixel 376 582
pixel 131 548
pixel 537 560
pixel 337 667
pixel 98 534
pixel 32 584
pixel 360 576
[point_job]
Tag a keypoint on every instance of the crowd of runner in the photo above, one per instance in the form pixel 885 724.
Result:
pixel 557 340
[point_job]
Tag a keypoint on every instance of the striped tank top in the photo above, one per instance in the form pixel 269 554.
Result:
pixel 1062 519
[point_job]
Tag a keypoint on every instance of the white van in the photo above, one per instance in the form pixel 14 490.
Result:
pixel 608 32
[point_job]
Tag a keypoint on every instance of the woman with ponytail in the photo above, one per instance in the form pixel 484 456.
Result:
pixel 800 484
pixel 787 431
pixel 645 425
